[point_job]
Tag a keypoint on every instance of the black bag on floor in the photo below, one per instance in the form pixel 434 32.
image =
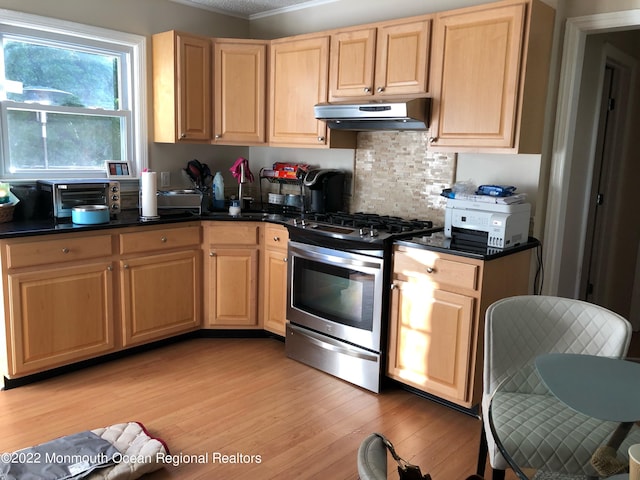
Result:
pixel 406 470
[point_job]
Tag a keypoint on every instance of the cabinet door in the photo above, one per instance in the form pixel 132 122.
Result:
pixel 430 339
pixel 59 316
pixel 194 88
pixel 275 291
pixel 233 284
pixel 160 295
pixel 402 59
pixel 298 78
pixel 352 62
pixel 181 87
pixel 239 93
pixel 477 66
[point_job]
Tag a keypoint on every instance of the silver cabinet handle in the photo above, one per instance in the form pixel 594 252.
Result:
pixel 217 136
pixel 284 259
pixel 125 266
pixel 367 89
pixel 183 135
pixel 65 250
pixel 110 268
pixel 321 139
pixel 380 89
pixel 276 239
pixel 430 269
pixel 212 253
pixel 163 239
pixel 433 139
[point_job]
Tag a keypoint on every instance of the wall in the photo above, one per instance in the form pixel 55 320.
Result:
pixel 391 173
pixel 396 174
pixel 623 234
pixel 523 171
pixel 578 8
pixel 575 131
pixel 342 13
pixel 146 17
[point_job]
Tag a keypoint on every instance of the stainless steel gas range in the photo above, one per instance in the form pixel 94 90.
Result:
pixel 338 291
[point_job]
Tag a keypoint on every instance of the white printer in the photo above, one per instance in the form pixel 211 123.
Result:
pixel 477 222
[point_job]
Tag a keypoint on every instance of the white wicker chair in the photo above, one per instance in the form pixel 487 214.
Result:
pixel 517 330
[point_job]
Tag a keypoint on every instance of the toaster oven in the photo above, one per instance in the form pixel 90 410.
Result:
pixel 60 196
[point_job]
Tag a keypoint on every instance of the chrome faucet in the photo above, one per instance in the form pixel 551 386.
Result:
pixel 243 179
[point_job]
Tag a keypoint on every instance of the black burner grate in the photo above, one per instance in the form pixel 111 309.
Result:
pixel 382 223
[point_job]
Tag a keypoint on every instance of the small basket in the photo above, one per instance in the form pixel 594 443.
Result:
pixel 6 212
pixel 6 209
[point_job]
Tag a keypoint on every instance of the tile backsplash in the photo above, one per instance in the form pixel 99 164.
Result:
pixel 396 174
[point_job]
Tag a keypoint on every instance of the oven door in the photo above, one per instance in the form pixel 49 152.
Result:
pixel 336 293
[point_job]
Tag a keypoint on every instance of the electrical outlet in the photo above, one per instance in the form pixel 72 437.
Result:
pixel 165 179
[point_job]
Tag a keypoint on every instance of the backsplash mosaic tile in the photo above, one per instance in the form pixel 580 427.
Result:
pixel 396 174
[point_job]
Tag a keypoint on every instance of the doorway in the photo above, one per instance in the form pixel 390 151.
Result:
pixel 598 281
pixel 567 214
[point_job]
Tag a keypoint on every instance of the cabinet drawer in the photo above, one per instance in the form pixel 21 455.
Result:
pixel 414 262
pixel 223 233
pixel 54 250
pixel 161 239
pixel 276 237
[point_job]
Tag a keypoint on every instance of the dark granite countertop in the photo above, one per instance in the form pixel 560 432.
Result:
pixel 439 243
pixel 34 227
pixel 436 241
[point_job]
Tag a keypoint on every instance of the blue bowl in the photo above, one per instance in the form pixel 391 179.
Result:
pixel 90 214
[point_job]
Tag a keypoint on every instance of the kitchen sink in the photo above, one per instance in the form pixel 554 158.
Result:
pixel 244 215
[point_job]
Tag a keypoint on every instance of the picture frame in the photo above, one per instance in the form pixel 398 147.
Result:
pixel 118 169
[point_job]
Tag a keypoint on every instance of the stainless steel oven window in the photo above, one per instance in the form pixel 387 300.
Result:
pixel 334 292
pixel 337 293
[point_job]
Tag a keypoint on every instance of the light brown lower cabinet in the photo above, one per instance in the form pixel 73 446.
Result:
pixel 159 296
pixel 274 279
pixel 438 302
pixel 231 274
pixel 76 296
pixel 160 282
pixel 58 293
pixel 58 315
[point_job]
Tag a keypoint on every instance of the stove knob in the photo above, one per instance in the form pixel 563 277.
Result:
pixel 373 232
pixel 303 223
pixel 363 232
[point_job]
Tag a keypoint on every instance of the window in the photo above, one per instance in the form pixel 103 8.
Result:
pixel 71 97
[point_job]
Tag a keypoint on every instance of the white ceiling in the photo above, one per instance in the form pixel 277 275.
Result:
pixel 252 8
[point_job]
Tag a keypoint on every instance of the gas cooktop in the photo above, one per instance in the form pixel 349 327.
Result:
pixel 359 227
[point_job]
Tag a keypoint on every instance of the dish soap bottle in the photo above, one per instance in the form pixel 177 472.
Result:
pixel 218 191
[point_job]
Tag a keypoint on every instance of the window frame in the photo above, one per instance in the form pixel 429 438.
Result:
pixel 136 143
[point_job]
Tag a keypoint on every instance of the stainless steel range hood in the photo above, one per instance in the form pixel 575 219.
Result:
pixel 410 114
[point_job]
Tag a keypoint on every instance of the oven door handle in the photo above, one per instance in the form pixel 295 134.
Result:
pixel 332 345
pixel 324 255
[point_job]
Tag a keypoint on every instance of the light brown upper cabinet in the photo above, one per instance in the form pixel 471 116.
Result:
pixel 181 87
pixel 299 72
pixel 490 73
pixel 383 59
pixel 240 85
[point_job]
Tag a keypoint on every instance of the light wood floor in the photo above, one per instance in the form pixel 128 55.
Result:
pixel 242 396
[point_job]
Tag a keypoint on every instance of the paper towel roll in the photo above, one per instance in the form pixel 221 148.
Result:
pixel 149 190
